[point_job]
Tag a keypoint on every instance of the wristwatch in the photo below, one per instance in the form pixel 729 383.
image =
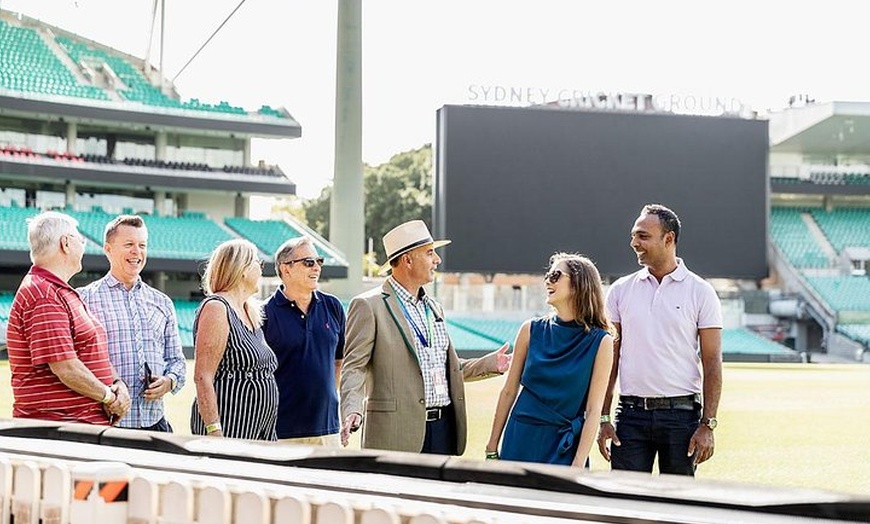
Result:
pixel 710 422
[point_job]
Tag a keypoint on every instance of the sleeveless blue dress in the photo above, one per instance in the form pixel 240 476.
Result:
pixel 544 425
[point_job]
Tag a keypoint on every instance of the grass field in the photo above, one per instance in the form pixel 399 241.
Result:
pixel 798 425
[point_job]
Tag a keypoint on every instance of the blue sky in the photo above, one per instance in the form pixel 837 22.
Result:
pixel 421 54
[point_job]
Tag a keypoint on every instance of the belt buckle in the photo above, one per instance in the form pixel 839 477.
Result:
pixel 433 414
pixel 645 404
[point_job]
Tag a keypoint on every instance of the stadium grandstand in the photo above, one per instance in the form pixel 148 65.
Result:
pixel 820 225
pixel 94 132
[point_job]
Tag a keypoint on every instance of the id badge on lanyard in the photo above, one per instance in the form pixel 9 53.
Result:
pixel 439 380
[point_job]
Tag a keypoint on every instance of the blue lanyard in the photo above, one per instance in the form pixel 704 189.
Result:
pixel 420 336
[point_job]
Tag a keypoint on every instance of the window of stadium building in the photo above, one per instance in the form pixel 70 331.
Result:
pixel 133 150
pixel 211 157
pixel 12 198
pixel 115 204
pixel 37 143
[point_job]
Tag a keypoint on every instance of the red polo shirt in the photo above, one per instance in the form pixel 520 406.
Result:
pixel 49 323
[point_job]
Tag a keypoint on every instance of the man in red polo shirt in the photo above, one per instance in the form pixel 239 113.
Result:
pixel 58 353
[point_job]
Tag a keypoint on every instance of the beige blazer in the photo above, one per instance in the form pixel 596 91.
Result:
pixel 381 377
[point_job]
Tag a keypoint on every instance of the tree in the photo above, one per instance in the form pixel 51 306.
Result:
pixel 396 191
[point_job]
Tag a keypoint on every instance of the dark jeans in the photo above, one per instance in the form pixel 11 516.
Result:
pixel 645 433
pixel 441 434
pixel 162 425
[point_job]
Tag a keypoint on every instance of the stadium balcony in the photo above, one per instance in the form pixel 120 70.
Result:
pixel 60 167
pixel 25 153
pixel 19 152
pixel 268 235
pixel 165 164
pixel 28 65
pixel 248 170
pixel 47 70
pixel 136 88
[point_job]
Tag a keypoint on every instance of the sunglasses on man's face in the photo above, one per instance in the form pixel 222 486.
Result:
pixel 307 261
pixel 553 276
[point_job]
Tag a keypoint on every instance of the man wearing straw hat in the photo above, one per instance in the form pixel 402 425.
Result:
pixel 401 379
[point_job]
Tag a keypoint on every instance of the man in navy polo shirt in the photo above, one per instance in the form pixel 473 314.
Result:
pixel 305 329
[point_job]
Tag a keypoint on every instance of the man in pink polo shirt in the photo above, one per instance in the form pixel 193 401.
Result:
pixel 58 353
pixel 667 356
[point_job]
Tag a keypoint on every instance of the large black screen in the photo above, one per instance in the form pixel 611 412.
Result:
pixel 514 185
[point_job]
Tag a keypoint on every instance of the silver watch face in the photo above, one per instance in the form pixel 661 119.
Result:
pixel 712 422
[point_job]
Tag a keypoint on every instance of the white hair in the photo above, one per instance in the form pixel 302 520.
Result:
pixel 44 232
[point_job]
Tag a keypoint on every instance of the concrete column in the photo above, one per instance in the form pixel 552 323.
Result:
pixel 160 281
pixel 243 205
pixel 159 203
pixel 801 337
pixel 346 212
pixel 180 203
pixel 488 297
pixel 160 146
pixel 72 136
pixel 70 194
pixel 246 152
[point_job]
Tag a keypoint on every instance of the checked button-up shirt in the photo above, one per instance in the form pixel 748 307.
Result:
pixel 142 327
pixel 433 355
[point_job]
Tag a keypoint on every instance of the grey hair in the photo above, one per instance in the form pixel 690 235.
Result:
pixel 287 248
pixel 45 230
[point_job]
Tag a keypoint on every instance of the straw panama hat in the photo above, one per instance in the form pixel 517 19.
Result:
pixel 406 237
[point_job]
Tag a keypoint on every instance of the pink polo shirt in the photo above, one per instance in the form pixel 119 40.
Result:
pixel 659 353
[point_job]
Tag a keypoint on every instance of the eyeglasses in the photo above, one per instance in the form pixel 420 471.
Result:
pixel 307 261
pixel 553 276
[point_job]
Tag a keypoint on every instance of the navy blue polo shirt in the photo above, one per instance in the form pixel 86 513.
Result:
pixel 307 346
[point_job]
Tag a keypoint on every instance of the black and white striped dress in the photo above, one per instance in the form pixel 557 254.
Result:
pixel 247 394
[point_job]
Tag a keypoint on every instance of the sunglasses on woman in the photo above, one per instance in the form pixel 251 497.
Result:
pixel 553 276
pixel 307 261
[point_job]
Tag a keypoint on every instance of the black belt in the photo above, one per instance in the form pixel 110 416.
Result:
pixel 433 414
pixel 651 403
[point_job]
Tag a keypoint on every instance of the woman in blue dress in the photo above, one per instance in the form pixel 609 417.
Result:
pixel 562 361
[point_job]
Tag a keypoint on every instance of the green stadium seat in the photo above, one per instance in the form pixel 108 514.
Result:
pixel 789 232
pixel 29 65
pixel 850 293
pixel 186 238
pixel 857 332
pixel 845 227
pixel 736 341
pixel 268 235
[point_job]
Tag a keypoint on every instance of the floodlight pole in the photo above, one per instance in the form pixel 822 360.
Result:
pixel 347 210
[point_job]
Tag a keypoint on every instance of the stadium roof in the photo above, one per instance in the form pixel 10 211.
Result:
pixel 829 129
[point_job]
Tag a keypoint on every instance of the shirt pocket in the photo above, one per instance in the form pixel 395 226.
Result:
pixel 155 326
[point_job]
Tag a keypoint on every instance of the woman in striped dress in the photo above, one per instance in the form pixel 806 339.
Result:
pixel 236 393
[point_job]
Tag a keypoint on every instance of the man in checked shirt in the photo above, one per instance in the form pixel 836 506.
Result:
pixel 141 325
